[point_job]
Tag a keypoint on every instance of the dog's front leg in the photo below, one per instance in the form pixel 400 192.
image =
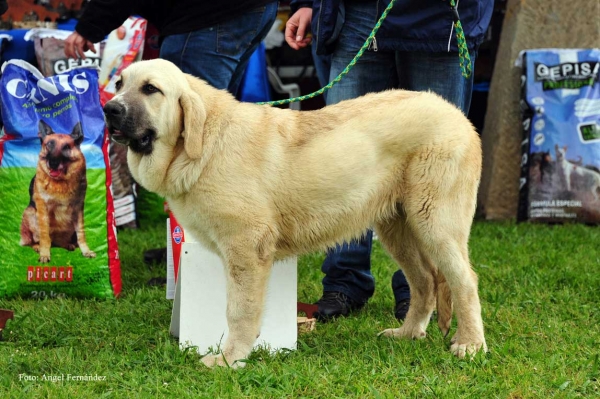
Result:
pixel 44 226
pixel 81 242
pixel 247 275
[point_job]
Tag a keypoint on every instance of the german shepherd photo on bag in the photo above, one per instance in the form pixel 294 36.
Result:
pixel 54 216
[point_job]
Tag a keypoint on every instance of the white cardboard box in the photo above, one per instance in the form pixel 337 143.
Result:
pixel 199 317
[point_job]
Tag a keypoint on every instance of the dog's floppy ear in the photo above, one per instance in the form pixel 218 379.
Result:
pixel 77 134
pixel 194 116
pixel 44 129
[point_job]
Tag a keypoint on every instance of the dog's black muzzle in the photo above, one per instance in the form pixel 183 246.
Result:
pixel 124 130
pixel 114 115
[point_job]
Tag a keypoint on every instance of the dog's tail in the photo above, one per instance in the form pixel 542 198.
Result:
pixel 444 304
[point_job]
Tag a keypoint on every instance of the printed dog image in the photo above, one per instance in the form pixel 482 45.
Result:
pixel 255 184
pixel 54 217
pixel 541 166
pixel 575 176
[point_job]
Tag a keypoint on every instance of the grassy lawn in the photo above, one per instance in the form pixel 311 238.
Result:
pixel 540 292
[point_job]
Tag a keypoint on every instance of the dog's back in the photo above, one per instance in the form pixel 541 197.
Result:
pixel 339 177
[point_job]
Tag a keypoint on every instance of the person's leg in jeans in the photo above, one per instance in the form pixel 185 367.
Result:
pixel 219 54
pixel 347 268
pixel 440 73
pixel 322 63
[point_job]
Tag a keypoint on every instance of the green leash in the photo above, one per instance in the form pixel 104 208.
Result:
pixel 463 51
pixel 463 55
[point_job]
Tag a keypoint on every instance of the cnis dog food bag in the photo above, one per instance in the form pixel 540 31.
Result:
pixel 57 232
pixel 560 165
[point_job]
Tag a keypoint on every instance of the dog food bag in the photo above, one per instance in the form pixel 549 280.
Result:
pixel 560 164
pixel 49 47
pixel 57 230
pixel 123 46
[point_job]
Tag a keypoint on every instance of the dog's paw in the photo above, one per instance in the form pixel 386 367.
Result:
pixel 402 332
pixel 455 338
pixel 89 254
pixel 219 360
pixel 460 349
pixel 36 248
pixel 44 259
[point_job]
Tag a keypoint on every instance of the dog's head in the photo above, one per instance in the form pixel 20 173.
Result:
pixel 154 104
pixel 561 152
pixel 59 151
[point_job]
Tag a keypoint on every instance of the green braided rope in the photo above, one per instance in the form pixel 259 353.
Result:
pixel 460 37
pixel 463 51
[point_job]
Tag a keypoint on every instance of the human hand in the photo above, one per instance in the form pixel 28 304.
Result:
pixel 297 27
pixel 76 45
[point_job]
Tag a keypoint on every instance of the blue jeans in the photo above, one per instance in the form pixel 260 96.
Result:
pixel 347 268
pixel 219 54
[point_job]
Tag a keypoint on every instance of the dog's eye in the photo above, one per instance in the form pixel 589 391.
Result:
pixel 149 89
pixel 119 84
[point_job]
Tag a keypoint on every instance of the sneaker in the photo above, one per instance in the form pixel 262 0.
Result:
pixel 333 304
pixel 401 309
pixel 157 255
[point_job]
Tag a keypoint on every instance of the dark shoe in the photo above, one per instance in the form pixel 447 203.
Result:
pixel 157 255
pixel 402 309
pixel 156 281
pixel 333 304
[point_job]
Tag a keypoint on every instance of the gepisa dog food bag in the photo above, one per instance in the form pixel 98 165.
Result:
pixel 57 232
pixel 560 165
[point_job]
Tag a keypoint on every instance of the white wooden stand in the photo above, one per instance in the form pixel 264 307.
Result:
pixel 199 317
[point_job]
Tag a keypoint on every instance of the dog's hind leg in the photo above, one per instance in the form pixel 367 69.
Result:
pixel 440 199
pixel 398 239
pixel 247 273
pixel 441 217
pixel 444 304
pixel 447 246
pixel 28 224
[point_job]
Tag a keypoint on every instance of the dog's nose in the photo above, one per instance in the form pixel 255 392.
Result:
pixel 114 110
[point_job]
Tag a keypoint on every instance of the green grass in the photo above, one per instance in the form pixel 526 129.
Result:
pixel 539 287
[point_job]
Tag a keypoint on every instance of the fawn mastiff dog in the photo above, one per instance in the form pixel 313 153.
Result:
pixel 255 184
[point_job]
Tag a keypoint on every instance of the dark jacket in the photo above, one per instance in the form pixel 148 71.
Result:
pixel 411 25
pixel 101 17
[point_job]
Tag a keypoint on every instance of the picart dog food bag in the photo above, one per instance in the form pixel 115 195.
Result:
pixel 57 232
pixel 560 164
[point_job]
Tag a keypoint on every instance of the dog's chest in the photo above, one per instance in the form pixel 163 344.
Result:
pixel 60 210
pixel 60 191
pixel 61 199
pixel 196 223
